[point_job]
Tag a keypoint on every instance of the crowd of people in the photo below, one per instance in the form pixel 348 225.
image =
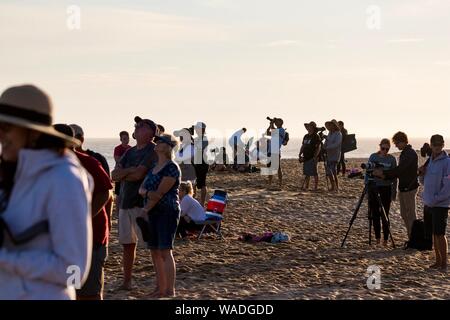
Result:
pixel 59 196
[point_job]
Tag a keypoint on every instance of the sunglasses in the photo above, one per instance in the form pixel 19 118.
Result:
pixel 384 149
pixel 437 145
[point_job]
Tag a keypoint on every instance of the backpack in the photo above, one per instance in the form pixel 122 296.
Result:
pixel 417 239
pixel 286 138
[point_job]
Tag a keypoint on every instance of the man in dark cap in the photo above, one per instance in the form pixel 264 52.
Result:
pixel 131 171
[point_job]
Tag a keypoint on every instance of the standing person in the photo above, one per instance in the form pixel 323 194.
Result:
pixel 93 287
pixel 341 163
pixel 309 155
pixel 333 146
pixel 45 197
pixel 276 130
pixel 79 134
pixel 436 198
pixel 185 155
pixel 238 147
pixel 160 191
pixel 387 190
pixel 119 151
pixel 200 162
pixel 406 173
pixel 130 172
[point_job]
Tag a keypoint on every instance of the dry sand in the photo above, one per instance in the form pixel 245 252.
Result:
pixel 311 266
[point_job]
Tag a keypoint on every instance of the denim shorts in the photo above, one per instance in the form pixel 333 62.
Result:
pixel 435 220
pixel 163 227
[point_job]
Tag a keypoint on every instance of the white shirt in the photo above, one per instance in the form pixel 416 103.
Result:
pixel 192 208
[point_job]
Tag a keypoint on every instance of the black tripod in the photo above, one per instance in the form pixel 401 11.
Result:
pixel 370 187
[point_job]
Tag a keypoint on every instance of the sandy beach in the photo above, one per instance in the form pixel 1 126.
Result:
pixel 311 266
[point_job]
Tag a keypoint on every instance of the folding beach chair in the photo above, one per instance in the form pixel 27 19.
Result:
pixel 214 213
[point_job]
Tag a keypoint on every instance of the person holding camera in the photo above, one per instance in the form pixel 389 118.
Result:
pixel 386 189
pixel 276 130
pixel 436 198
pixel 332 146
pixel 309 155
pixel 406 173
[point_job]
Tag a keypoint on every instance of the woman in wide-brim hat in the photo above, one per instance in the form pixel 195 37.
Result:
pixel 45 199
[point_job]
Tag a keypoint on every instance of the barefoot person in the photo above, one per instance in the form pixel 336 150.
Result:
pixel 45 201
pixel 160 191
pixel 333 147
pixel 130 172
pixel 309 155
pixel 387 190
pixel 436 198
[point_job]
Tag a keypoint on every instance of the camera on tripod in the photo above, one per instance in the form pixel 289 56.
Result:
pixel 371 166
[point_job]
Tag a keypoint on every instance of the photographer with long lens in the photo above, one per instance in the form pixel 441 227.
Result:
pixel 386 189
pixel 406 172
pixel 276 129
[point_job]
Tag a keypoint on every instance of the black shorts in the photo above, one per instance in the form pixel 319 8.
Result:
pixel 435 221
pixel 201 171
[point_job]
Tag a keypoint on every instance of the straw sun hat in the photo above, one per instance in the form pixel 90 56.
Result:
pixel 29 107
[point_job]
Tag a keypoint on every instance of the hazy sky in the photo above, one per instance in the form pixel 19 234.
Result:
pixel 231 63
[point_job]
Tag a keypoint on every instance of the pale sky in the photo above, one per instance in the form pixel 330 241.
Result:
pixel 231 63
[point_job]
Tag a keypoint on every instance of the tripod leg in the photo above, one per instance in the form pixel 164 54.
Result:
pixel 355 213
pixel 370 228
pixel 385 218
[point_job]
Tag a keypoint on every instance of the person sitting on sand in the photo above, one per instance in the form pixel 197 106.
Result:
pixel 45 190
pixel 191 210
pixel 387 190
pixel 221 159
pixel 309 155
pixel 436 198
pixel 333 147
pixel 160 192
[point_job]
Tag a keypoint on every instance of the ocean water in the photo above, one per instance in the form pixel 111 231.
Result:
pixel 366 146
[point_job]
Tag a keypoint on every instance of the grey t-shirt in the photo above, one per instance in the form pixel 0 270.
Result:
pixel 135 157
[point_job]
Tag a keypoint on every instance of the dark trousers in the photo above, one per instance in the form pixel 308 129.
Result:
pixel 385 193
pixel 184 227
pixel 341 164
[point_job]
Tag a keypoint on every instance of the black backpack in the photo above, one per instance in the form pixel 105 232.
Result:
pixel 418 240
